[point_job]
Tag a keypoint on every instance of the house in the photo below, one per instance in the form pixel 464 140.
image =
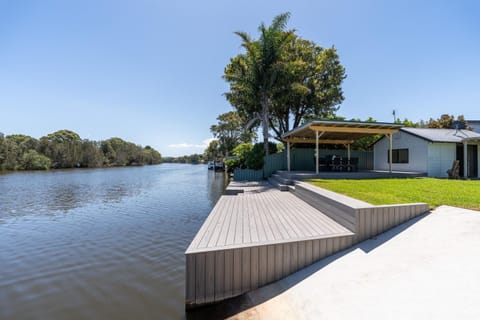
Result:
pixel 474 124
pixel 431 151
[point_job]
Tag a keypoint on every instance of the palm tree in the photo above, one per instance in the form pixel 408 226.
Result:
pixel 258 72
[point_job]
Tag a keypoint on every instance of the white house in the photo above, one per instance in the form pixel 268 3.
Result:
pixel 431 151
pixel 474 124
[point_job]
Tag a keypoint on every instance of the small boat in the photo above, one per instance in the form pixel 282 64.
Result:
pixel 211 165
pixel 219 166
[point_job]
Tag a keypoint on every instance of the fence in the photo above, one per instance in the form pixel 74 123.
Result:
pixel 247 175
pixel 300 160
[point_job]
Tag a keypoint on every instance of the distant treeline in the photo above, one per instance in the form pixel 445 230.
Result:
pixel 193 159
pixel 65 149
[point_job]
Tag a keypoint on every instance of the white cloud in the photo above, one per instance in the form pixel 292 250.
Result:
pixel 180 145
pixel 201 145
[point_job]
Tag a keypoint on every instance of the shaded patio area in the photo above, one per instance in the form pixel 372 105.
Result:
pixel 326 132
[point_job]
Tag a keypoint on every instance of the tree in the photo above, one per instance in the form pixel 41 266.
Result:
pixel 9 155
pixel 229 131
pixel 212 151
pixel 151 156
pixel 91 154
pixel 407 123
pixel 256 72
pixel 309 85
pixel 283 79
pixel 19 144
pixel 445 121
pixel 65 149
pixel 62 147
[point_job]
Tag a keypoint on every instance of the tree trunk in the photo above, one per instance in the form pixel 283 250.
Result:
pixel 265 123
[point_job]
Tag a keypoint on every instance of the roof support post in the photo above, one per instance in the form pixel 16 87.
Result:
pixel 465 159
pixel 288 156
pixel 316 152
pixel 390 151
pixel 348 153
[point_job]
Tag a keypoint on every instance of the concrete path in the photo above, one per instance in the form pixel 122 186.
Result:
pixel 427 268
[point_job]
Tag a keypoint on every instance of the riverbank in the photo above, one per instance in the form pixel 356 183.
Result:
pixel 424 268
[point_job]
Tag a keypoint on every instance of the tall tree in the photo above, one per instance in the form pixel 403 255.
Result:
pixel 62 147
pixel 230 131
pixel 257 71
pixel 300 81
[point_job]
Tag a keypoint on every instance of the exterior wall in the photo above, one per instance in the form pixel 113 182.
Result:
pixel 417 153
pixel 478 160
pixel 440 158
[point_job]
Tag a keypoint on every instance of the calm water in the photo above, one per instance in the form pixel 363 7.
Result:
pixel 100 244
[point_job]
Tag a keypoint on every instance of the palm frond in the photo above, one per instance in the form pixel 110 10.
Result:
pixel 279 23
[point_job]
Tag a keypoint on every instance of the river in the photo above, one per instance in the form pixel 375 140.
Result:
pixel 100 243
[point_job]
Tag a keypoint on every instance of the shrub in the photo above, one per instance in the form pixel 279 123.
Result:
pixel 249 156
pixel 32 160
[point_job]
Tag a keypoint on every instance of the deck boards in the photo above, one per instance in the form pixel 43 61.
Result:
pixel 261 215
pixel 257 234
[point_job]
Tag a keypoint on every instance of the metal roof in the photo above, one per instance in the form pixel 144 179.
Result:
pixel 443 135
pixel 338 132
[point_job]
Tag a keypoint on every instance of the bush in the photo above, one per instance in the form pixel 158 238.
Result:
pixel 256 155
pixel 249 156
pixel 32 160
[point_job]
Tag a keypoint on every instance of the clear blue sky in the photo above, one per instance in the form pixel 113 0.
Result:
pixel 150 71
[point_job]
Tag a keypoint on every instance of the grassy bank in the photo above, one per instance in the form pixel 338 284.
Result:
pixel 435 192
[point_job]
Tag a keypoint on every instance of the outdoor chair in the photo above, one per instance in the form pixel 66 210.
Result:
pixel 352 165
pixel 338 164
pixel 454 172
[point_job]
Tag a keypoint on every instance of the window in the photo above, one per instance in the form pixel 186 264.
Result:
pixel 398 155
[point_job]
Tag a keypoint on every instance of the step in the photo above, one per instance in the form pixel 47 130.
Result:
pixel 276 184
pixel 283 180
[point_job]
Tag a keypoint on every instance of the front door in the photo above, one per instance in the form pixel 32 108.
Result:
pixel 472 160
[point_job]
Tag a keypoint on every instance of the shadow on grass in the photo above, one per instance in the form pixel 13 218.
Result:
pixel 233 306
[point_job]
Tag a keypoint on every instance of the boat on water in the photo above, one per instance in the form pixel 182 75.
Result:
pixel 211 165
pixel 216 165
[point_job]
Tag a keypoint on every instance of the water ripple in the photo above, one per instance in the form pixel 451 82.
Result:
pixel 102 243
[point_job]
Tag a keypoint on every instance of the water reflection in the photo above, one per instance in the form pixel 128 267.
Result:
pixel 216 184
pixel 23 194
pixel 114 248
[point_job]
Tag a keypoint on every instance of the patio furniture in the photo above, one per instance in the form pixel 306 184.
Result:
pixel 338 164
pixel 352 165
pixel 454 172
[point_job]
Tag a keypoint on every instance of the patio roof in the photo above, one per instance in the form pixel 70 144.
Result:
pixel 338 132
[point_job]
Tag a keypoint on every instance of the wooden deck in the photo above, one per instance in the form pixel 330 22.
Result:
pixel 257 214
pixel 257 234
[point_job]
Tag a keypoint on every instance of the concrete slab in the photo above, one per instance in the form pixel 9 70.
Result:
pixel 427 268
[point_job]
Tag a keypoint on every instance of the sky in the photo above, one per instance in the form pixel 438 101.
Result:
pixel 150 71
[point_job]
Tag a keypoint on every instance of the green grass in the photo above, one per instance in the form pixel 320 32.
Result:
pixel 435 192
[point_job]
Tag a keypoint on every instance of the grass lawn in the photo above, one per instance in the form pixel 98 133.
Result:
pixel 435 192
